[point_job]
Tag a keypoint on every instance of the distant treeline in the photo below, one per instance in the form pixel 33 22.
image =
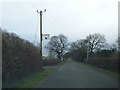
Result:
pixel 20 58
pixel 95 51
pixel 50 61
pixel 92 50
pixel 110 64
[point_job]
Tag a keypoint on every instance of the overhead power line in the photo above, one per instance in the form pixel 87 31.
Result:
pixel 36 33
pixel 50 17
pixel 34 7
pixel 53 18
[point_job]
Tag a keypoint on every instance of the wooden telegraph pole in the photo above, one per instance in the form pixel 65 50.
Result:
pixel 40 12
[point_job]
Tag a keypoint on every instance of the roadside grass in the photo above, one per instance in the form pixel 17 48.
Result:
pixel 46 58
pixel 103 70
pixel 33 80
pixel 61 63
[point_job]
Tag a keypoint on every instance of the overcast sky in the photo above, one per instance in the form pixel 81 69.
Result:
pixel 76 19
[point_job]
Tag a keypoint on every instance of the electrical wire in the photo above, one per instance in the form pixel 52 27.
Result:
pixel 53 18
pixel 34 7
pixel 35 34
pixel 29 1
pixel 48 18
pixel 41 4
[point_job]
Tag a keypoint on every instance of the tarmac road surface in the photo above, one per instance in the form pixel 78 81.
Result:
pixel 73 74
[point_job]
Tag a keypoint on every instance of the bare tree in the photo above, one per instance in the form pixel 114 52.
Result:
pixel 79 45
pixel 57 46
pixel 78 50
pixel 96 42
pixel 83 48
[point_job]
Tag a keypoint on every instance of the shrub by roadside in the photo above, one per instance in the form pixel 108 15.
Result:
pixel 20 58
pixel 110 64
pixel 51 61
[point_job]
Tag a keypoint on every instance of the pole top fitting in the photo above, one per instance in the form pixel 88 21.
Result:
pixel 41 11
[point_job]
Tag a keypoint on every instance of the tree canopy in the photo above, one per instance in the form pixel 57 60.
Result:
pixel 57 45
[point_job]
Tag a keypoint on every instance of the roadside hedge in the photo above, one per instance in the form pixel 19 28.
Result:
pixel 51 61
pixel 110 64
pixel 20 58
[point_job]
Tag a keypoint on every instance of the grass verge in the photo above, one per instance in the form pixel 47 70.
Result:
pixel 103 70
pixel 61 63
pixel 33 80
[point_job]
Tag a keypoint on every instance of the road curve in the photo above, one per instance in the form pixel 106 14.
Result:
pixel 75 75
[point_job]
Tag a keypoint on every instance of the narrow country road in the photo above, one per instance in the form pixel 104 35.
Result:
pixel 75 75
